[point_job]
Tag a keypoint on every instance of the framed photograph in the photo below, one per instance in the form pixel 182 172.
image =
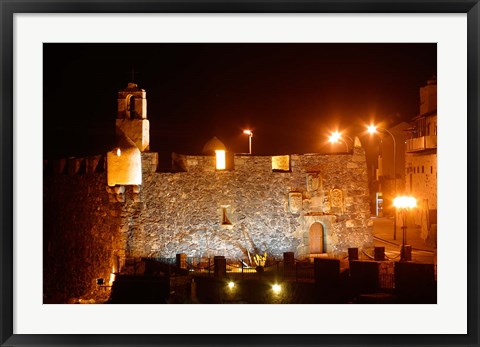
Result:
pixel 248 173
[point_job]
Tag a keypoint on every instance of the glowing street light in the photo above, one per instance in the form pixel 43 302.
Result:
pixel 277 288
pixel 250 135
pixel 336 136
pixel 404 203
pixel 231 285
pixel 372 129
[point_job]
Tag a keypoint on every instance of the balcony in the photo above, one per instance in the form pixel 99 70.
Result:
pixel 421 143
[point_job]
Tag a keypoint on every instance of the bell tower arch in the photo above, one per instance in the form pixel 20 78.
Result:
pixel 132 115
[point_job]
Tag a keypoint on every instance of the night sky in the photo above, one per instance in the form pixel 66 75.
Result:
pixel 290 95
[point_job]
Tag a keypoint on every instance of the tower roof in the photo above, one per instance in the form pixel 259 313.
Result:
pixel 212 145
pixel 132 87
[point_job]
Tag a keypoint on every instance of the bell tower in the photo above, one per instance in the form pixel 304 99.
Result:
pixel 132 115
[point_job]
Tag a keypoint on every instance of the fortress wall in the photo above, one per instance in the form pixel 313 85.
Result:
pixel 89 229
pixel 183 212
pixel 82 238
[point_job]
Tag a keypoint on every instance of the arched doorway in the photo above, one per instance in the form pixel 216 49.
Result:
pixel 317 244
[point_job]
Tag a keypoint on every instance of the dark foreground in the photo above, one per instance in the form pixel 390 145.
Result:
pixel 360 283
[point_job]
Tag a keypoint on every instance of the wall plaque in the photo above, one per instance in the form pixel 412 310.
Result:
pixel 295 202
pixel 336 200
pixel 313 181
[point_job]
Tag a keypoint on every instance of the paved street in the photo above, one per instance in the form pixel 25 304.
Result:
pixel 383 236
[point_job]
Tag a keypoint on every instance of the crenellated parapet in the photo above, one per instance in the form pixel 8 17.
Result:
pixel 95 164
pixel 75 166
pixel 269 163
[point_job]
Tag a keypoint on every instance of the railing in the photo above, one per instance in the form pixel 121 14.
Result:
pixel 296 271
pixel 421 143
pixel 387 281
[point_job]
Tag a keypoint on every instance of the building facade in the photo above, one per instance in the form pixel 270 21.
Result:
pixel 421 163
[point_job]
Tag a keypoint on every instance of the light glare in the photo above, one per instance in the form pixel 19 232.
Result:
pixel 112 278
pixel 334 137
pixel 277 288
pixel 404 202
pixel 372 129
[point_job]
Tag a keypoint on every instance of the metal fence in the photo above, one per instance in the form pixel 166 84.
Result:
pixel 296 271
pixel 386 275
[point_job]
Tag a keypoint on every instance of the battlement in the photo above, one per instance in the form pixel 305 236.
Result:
pixel 240 163
pixel 96 164
pixel 75 166
pixel 265 163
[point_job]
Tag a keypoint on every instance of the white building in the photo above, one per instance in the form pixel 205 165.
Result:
pixel 421 162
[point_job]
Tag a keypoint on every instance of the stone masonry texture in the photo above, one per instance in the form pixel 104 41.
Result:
pixel 89 230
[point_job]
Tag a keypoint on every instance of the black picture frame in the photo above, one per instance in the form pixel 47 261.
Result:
pixel 9 7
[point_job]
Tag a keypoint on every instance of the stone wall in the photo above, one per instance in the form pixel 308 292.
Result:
pixel 203 212
pixel 89 228
pixel 82 239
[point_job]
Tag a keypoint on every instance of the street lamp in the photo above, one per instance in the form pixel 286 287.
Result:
pixel 250 135
pixel 336 136
pixel 372 129
pixel 404 203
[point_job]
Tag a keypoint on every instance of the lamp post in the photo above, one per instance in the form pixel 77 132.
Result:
pixel 336 136
pixel 250 135
pixel 372 129
pixel 404 203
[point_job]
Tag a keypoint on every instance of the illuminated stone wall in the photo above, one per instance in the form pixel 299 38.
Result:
pixel 182 212
pixel 91 228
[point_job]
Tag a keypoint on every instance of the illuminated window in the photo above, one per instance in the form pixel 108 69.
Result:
pixel 220 159
pixel 281 163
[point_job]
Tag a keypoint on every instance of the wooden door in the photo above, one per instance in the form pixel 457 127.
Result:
pixel 316 238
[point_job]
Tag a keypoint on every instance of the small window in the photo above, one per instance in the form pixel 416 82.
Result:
pixel 220 159
pixel 225 220
pixel 281 163
pixel 131 107
pixel 431 169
